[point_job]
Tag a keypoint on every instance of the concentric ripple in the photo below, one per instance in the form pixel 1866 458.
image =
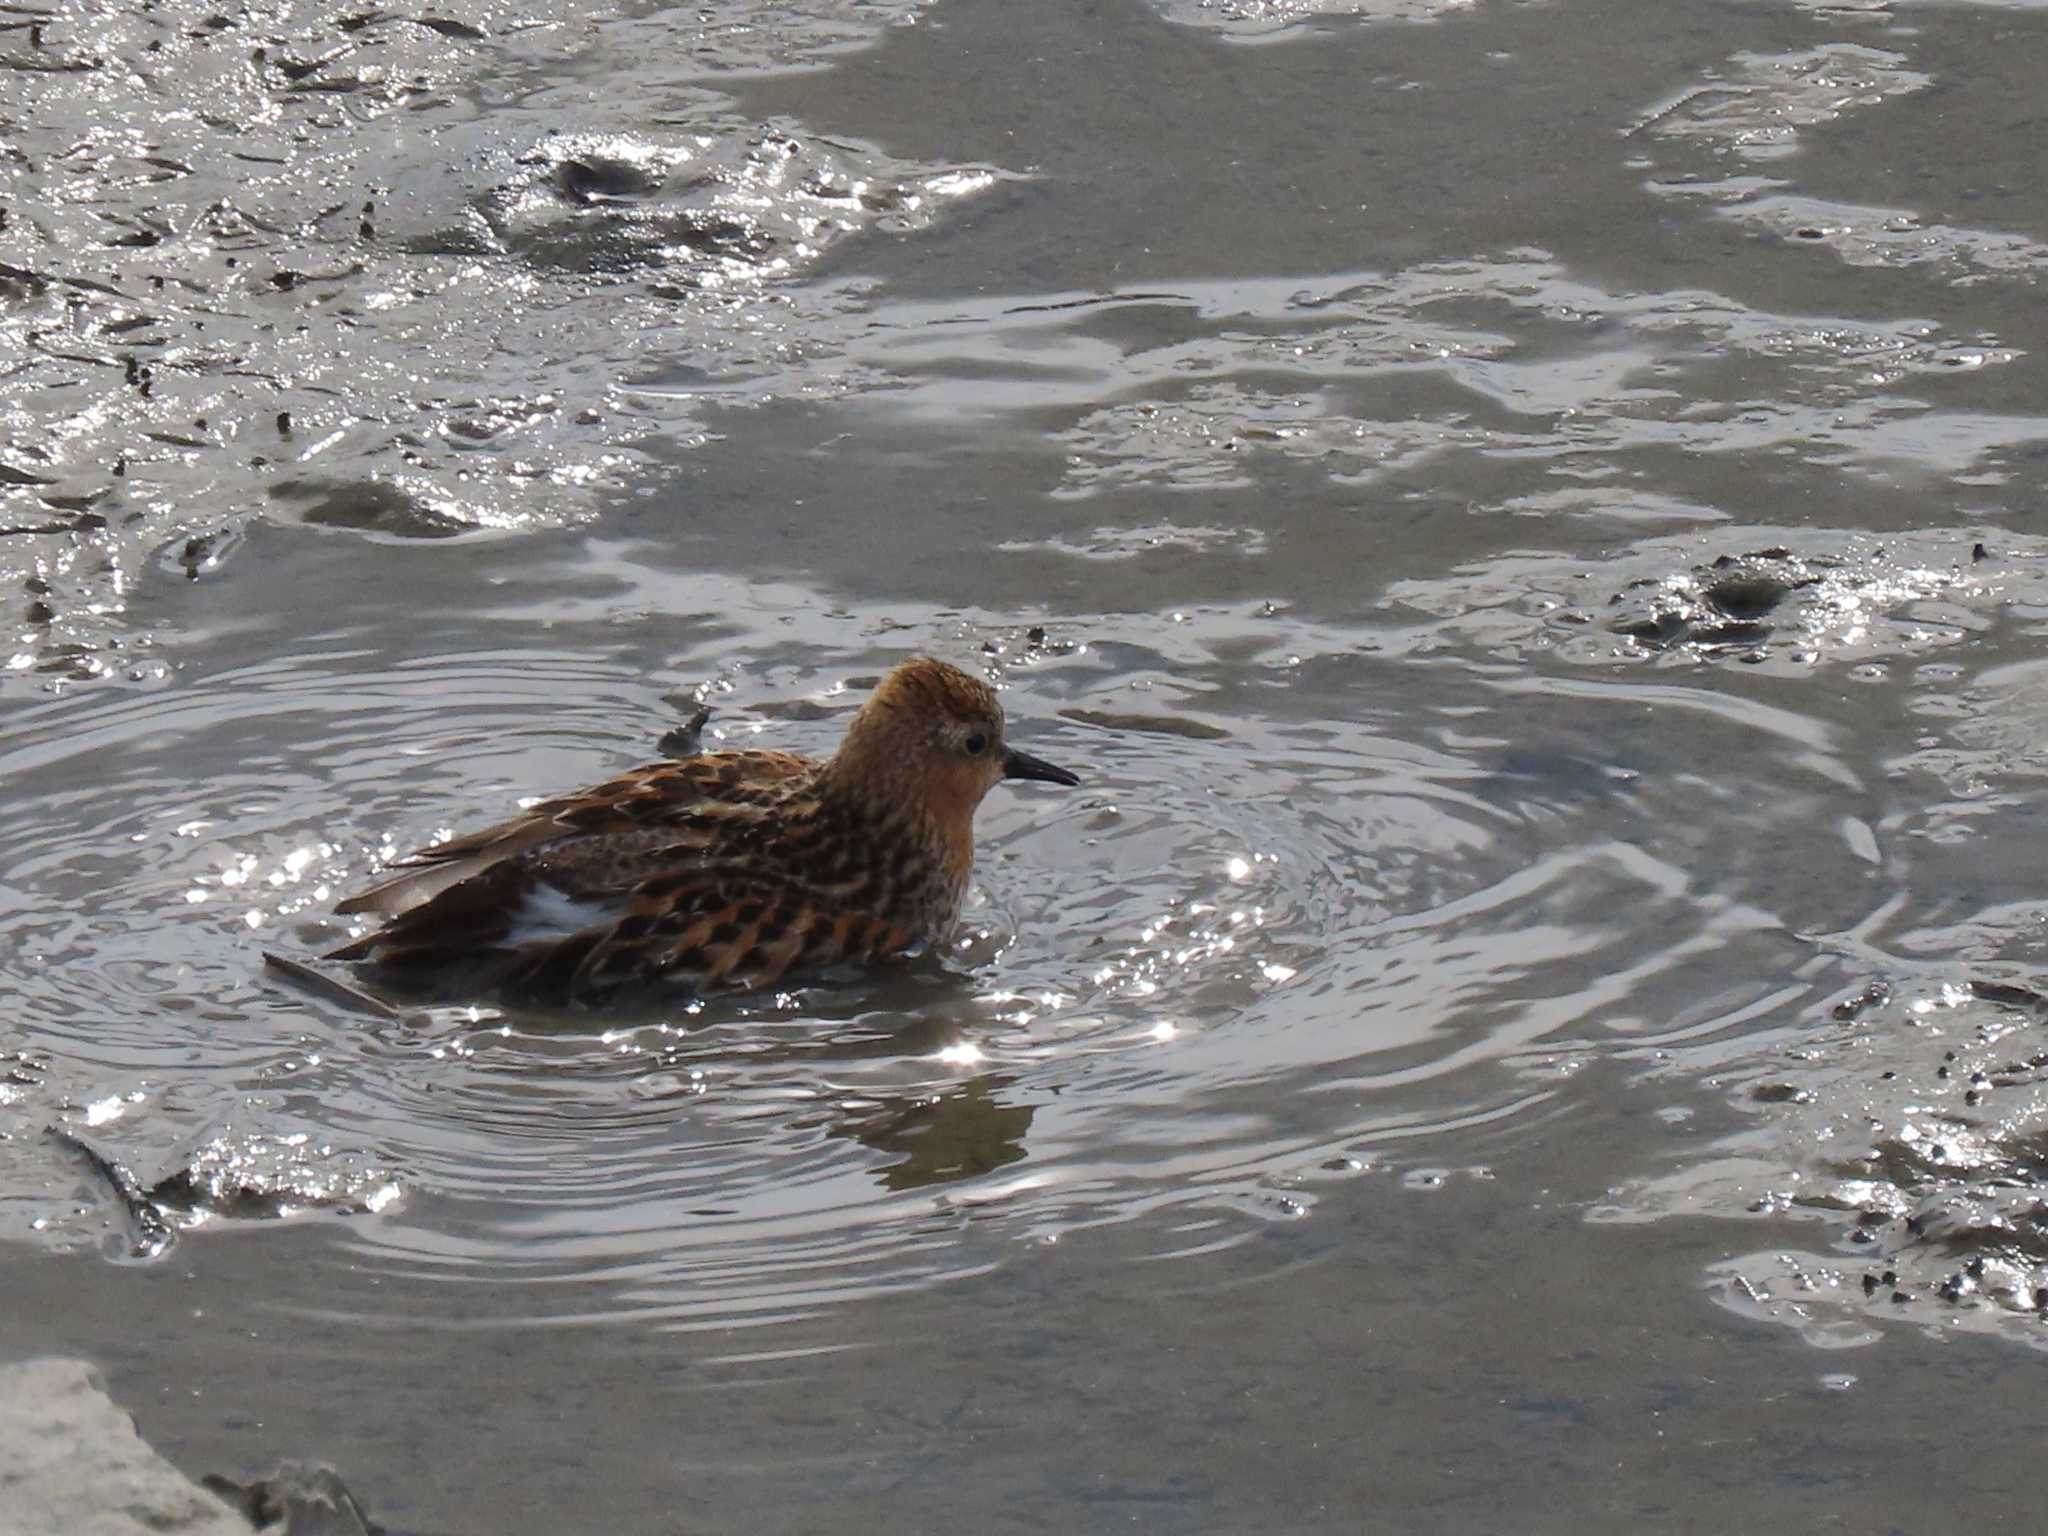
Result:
pixel 1272 941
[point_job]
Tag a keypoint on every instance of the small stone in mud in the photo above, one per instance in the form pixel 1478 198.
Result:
pixel 595 178
pixel 295 1498
pixel 1659 629
pixel 1780 1093
pixel 1748 594
pixel 373 506
pixel 2008 994
pixel 1724 604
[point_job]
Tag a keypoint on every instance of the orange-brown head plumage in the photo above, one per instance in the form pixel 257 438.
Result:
pixel 932 736
pixel 929 736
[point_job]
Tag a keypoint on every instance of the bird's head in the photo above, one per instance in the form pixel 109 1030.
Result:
pixel 933 735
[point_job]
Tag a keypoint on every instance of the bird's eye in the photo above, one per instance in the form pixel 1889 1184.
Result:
pixel 976 743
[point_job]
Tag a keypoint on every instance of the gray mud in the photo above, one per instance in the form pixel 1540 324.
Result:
pixel 414 276
pixel 1525 517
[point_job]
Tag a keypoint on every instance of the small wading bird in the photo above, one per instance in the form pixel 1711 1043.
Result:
pixel 727 869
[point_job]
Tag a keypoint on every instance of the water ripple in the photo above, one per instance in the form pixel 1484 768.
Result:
pixel 1243 960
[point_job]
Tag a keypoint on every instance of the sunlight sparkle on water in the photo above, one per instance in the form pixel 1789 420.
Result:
pixel 961 1053
pixel 1239 868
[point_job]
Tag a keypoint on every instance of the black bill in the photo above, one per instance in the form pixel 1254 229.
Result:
pixel 1022 765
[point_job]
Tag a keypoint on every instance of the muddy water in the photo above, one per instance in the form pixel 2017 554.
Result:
pixel 1523 517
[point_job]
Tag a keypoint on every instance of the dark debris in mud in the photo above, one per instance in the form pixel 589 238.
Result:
pixel 262 1178
pixel 1819 597
pixel 1724 605
pixel 149 1230
pixel 1916 1127
pixel 296 1500
pixel 368 507
pixel 277 261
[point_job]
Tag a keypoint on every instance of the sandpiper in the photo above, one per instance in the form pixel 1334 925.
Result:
pixel 727 869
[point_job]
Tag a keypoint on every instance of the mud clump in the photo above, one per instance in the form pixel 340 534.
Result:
pixel 330 255
pixel 1915 1126
pixel 369 506
pixel 1726 604
pixel 1806 599
pixel 249 1178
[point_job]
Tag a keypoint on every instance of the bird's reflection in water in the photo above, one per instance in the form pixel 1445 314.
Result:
pixel 887 1061
pixel 941 1129
pixel 951 1133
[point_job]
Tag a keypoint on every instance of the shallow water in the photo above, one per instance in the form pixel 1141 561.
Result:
pixel 1521 515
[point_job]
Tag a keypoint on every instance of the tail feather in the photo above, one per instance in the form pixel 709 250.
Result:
pixel 413 887
pixel 476 912
pixel 355 949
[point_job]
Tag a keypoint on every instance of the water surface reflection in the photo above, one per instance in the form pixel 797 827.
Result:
pixel 1297 923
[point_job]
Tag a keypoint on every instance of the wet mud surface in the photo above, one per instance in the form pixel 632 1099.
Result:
pixel 1526 518
pixel 410 275
pixel 1912 1131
